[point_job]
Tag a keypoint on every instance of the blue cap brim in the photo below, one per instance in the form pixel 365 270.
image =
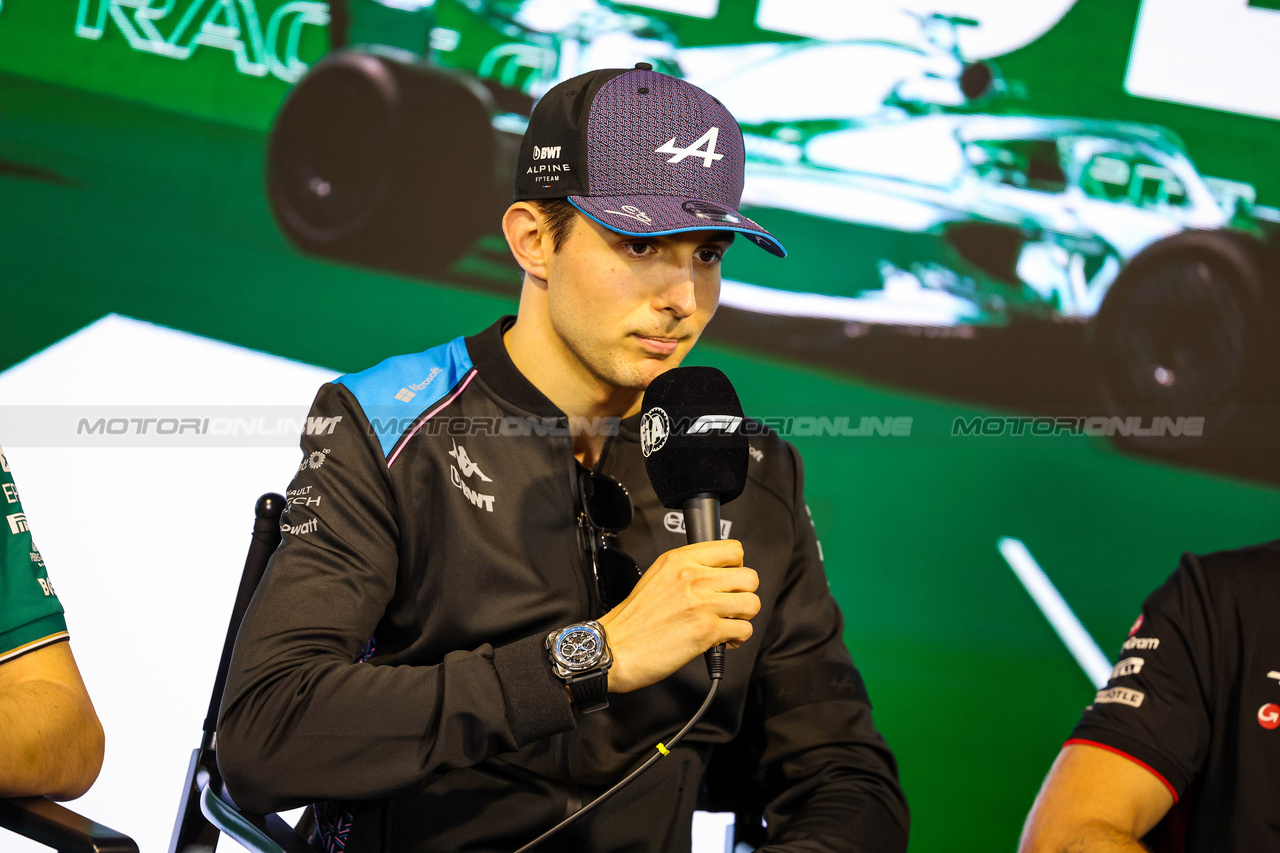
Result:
pixel 659 215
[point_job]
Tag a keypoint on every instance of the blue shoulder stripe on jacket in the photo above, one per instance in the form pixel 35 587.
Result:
pixel 398 391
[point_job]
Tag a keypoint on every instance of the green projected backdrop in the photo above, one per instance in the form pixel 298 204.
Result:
pixel 1030 277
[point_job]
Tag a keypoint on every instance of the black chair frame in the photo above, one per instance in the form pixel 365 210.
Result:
pixel 46 822
pixel 205 810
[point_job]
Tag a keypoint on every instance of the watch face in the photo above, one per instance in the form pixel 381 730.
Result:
pixel 579 647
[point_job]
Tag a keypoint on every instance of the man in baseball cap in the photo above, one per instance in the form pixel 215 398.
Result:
pixel 591 140
pixel 455 647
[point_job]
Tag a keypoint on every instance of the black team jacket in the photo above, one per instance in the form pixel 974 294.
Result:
pixel 391 667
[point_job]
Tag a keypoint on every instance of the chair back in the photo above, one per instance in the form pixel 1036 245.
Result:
pixel 265 540
pixel 191 831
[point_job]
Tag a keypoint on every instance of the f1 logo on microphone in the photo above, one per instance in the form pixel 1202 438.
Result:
pixel 715 423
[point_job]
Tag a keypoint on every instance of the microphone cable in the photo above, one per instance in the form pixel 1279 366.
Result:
pixel 663 750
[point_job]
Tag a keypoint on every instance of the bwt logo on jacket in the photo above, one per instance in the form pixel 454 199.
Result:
pixel 715 423
pixel 546 152
pixel 322 426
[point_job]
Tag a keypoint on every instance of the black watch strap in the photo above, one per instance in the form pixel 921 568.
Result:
pixel 590 690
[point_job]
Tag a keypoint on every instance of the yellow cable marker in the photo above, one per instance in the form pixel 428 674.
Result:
pixel 663 749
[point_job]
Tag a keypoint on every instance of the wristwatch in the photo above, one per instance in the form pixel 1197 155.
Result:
pixel 580 655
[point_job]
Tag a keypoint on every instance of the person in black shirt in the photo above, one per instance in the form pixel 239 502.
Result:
pixel 1181 749
pixel 405 663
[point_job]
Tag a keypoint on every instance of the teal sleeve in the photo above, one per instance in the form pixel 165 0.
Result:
pixel 30 614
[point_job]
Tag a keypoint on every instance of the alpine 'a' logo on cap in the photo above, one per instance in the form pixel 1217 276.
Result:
pixel 708 155
pixel 654 429
pixel 707 210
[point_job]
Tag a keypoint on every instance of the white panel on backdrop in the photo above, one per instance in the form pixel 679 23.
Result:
pixel 1208 53
pixel 145 543
pixel 1002 26
pixel 694 8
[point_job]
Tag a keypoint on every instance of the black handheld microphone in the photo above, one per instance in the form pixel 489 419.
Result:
pixel 695 453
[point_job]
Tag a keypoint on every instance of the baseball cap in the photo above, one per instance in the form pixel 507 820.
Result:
pixel 640 152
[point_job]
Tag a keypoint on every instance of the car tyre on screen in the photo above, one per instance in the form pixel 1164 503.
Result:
pixel 978 80
pixel 384 164
pixel 1183 332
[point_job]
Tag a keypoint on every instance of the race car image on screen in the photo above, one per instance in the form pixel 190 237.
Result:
pixel 913 192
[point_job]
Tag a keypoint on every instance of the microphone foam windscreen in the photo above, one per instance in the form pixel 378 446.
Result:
pixel 691 436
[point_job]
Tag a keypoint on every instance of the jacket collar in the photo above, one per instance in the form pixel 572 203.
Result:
pixel 489 355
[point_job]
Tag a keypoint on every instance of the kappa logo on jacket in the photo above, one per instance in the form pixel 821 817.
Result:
pixel 468 469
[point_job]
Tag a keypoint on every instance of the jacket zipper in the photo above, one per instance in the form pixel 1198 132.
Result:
pixel 573 794
pixel 560 746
